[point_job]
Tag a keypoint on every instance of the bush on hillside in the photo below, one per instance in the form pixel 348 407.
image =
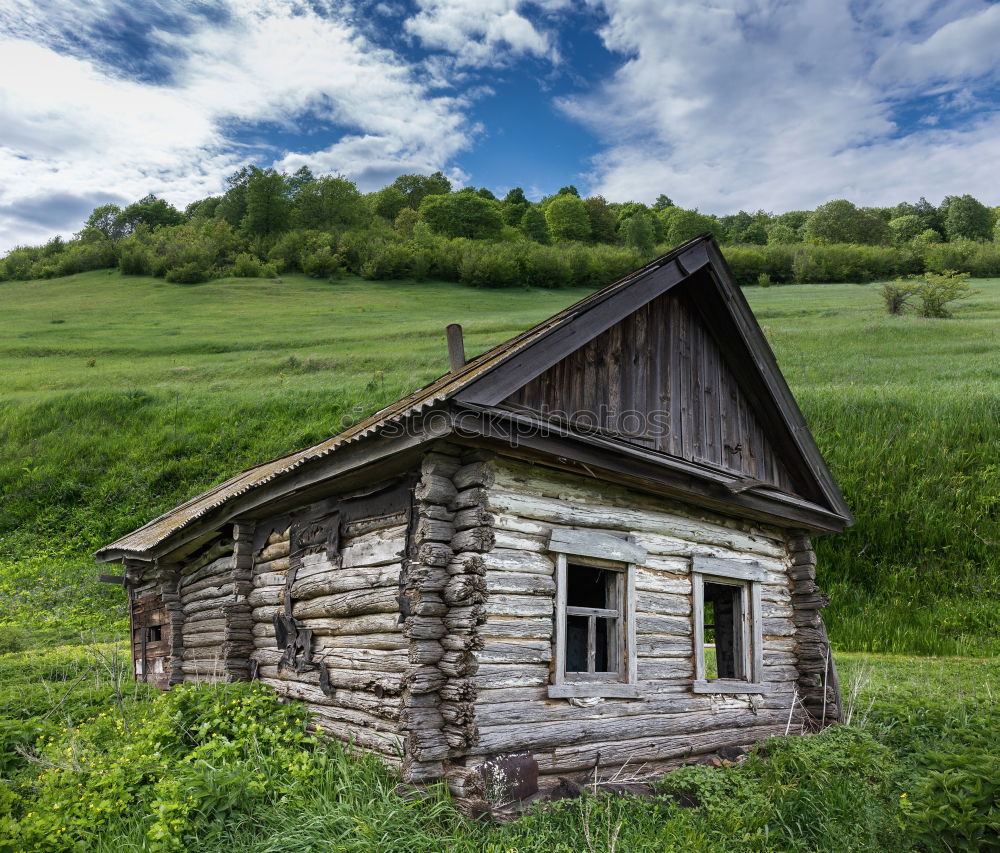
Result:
pixel 188 762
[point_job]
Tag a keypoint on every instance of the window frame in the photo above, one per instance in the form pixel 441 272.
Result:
pixel 611 553
pixel 748 577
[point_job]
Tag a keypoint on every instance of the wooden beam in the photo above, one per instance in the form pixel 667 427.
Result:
pixel 456 347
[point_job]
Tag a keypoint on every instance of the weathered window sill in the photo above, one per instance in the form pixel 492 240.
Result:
pixel 604 691
pixel 727 686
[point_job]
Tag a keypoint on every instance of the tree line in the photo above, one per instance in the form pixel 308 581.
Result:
pixel 268 222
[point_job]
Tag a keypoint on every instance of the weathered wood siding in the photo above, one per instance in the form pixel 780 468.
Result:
pixel 349 600
pixel 207 588
pixel 512 710
pixel 658 378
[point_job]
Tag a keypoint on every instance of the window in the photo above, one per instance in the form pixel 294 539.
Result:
pixel 727 626
pixel 154 633
pixel 594 625
pixel 594 637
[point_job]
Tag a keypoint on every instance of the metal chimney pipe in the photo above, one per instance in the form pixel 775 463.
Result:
pixel 456 347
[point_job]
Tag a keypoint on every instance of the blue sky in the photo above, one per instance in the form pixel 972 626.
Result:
pixel 724 105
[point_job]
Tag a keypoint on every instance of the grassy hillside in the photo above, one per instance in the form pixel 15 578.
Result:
pixel 121 396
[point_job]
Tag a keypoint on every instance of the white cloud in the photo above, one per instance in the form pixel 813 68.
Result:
pixel 744 104
pixel 482 32
pixel 74 127
pixel 959 49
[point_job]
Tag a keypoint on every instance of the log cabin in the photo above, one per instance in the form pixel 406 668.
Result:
pixel 584 552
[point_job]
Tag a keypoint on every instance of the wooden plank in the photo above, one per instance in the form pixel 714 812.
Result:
pixel 559 676
pixel 591 543
pixel 601 314
pixel 743 570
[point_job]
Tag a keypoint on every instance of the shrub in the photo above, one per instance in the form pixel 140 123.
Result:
pixel 896 295
pixel 764 280
pixel 490 266
pixel 936 292
pixel 247 266
pixel 134 260
pixel 193 759
pixel 189 273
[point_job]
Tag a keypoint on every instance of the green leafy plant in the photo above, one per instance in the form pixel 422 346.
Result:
pixel 938 291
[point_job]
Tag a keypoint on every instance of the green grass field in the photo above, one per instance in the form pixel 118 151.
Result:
pixel 120 397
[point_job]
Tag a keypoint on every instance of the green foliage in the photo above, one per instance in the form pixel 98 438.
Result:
pixel 897 294
pixel 415 188
pixel 841 262
pixel 328 202
pixel 192 272
pixel 662 202
pixel 534 226
pixel 841 222
pixel 905 229
pixel 681 225
pixel 566 217
pixel 980 260
pixel 192 760
pixel 965 218
pixel 268 203
pixel 388 202
pixel 249 266
pixel 107 220
pixel 406 221
pixel 602 219
pixel 638 231
pixel 745 227
pixel 462 214
pixel 938 291
pixel 152 212
pixel 782 235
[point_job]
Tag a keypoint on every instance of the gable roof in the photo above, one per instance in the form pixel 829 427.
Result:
pixel 489 378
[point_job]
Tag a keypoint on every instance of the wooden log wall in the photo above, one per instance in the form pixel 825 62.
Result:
pixel 441 604
pixel 669 723
pixel 818 683
pixel 350 601
pixel 205 587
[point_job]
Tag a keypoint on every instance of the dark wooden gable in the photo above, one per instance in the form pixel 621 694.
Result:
pixel 659 379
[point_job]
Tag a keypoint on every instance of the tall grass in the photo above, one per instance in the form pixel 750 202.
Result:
pixel 122 396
